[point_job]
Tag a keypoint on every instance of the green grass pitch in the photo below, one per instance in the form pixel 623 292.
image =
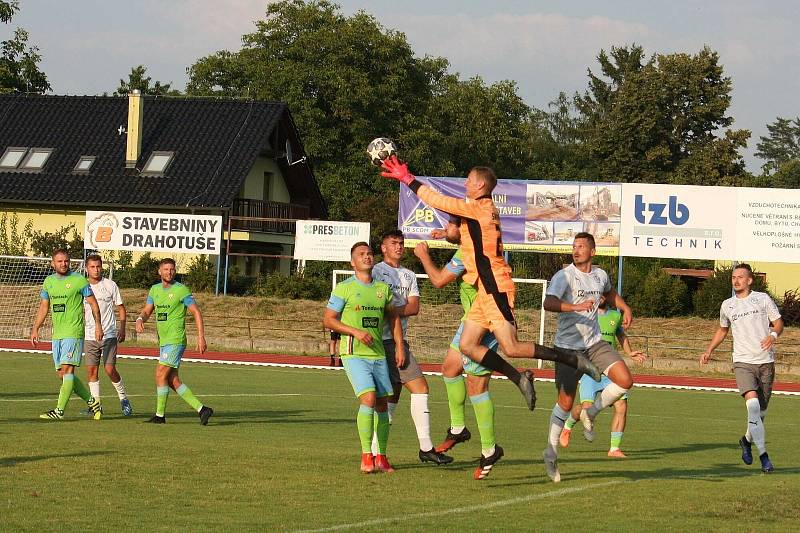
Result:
pixel 281 454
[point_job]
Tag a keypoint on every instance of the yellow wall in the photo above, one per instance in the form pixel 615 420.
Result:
pixel 781 277
pixel 253 187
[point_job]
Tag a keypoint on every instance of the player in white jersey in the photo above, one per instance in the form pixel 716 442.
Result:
pixel 574 293
pixel 404 286
pixel 756 324
pixel 108 298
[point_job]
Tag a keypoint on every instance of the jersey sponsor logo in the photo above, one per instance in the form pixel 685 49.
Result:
pixel 170 296
pixel 59 308
pixel 369 322
pixel 161 317
pixel 68 285
pixel 379 294
pixel 367 308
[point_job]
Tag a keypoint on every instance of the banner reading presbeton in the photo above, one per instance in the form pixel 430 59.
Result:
pixel 153 232
pixel 328 240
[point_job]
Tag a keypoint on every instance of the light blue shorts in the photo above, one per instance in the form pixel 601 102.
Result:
pixel 589 388
pixel 367 375
pixel 171 354
pixel 67 352
pixel 470 366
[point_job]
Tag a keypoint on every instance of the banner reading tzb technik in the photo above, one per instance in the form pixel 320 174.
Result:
pixel 153 232
pixel 535 215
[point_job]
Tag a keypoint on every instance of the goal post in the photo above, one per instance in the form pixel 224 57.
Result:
pixel 21 281
pixel 430 332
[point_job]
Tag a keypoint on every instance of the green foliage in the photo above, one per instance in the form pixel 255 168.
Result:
pixel 142 274
pixel 660 295
pixel 655 120
pixel 201 275
pixel 790 310
pixel 137 79
pixel 293 286
pixel 14 241
pixel 19 69
pixel 716 290
pixel 43 243
pixel 781 145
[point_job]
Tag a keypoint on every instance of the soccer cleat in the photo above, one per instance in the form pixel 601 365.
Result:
pixel 588 426
pixel 747 451
pixel 95 408
pixel 452 439
pixel 382 464
pixel 127 409
pixel 54 414
pixel 155 419
pixel 766 464
pixel 616 454
pixel 527 390
pixel 563 439
pixel 432 456
pixel 205 413
pixel 485 464
pixel 367 463
pixel 586 366
pixel 551 466
pixel 333 361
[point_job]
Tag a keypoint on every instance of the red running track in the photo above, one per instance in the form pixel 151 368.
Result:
pixel 303 360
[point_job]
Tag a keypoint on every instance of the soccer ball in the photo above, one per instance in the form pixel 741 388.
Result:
pixel 379 149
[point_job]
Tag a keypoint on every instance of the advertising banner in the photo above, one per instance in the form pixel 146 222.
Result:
pixel 768 225
pixel 539 216
pixel 328 240
pixel 153 232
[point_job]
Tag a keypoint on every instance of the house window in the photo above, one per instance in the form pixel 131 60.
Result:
pixel 84 163
pixel 12 157
pixel 37 157
pixel 158 162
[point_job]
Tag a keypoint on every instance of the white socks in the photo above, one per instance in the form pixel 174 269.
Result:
pixel 422 420
pixel 390 409
pixel 94 389
pixel 755 426
pixel 120 389
pixel 557 419
pixel 610 394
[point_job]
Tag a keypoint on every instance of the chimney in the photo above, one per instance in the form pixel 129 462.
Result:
pixel 135 114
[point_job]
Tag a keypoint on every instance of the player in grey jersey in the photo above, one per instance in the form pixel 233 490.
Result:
pixel 756 324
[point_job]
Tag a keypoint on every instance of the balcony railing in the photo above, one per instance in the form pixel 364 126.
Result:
pixel 287 213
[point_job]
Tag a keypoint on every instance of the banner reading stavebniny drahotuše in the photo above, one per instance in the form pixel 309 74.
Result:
pixel 153 232
pixel 646 220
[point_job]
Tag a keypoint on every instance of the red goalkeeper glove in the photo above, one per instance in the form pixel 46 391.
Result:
pixel 396 170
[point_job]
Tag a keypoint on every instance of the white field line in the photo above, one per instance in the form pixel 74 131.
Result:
pixel 512 501
pixel 326 367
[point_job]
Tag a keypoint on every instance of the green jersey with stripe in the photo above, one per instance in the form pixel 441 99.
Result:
pixel 65 295
pixel 467 292
pixel 362 306
pixel 610 324
pixel 170 310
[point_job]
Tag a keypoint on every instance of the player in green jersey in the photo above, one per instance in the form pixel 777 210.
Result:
pixel 170 300
pixel 455 363
pixel 63 294
pixel 357 309
pixel 610 321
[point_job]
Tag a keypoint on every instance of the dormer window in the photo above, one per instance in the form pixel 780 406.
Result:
pixel 12 157
pixel 37 157
pixel 158 163
pixel 84 163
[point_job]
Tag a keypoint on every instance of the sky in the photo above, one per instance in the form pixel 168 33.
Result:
pixel 546 47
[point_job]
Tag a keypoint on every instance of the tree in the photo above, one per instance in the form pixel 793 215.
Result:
pixel 781 146
pixel 656 120
pixel 19 69
pixel 138 81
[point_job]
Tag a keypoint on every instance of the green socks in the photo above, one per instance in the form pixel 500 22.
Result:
pixel 161 401
pixel 616 439
pixel 189 398
pixel 366 425
pixel 382 429
pixel 484 413
pixel 570 422
pixel 82 390
pixel 67 384
pixel 456 397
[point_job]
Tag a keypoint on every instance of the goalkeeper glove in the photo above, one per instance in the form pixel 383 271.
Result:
pixel 396 170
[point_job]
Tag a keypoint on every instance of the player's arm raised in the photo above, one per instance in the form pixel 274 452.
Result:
pixel 201 329
pixel 439 277
pixel 716 340
pixel 41 314
pixel 330 320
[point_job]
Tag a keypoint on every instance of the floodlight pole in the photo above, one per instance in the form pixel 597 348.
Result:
pixel 227 258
